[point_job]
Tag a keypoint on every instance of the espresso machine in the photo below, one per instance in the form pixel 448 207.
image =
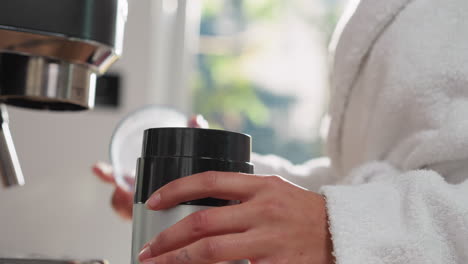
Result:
pixel 51 53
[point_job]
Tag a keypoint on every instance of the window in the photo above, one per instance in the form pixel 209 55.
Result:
pixel 262 70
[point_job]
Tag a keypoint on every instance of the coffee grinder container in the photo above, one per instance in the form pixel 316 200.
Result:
pixel 172 153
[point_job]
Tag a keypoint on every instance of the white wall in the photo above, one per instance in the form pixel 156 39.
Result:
pixel 63 210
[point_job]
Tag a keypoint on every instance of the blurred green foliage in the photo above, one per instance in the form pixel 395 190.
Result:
pixel 263 9
pixel 229 93
pixel 223 93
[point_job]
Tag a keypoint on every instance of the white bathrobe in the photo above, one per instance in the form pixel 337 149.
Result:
pixel 395 179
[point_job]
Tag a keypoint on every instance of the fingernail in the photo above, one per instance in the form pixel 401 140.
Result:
pixel 104 167
pixel 145 253
pixel 201 121
pixel 154 201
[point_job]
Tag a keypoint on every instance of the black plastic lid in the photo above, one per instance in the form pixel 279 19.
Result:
pixel 155 172
pixel 196 142
pixel 172 153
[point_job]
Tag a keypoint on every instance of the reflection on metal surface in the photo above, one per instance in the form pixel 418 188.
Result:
pixel 97 56
pixel 43 83
pixel 10 169
pixel 50 55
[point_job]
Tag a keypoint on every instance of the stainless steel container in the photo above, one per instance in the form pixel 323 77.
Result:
pixel 172 153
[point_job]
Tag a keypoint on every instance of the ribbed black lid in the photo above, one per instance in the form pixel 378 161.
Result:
pixel 196 142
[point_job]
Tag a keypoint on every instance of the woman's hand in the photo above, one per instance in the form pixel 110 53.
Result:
pixel 276 222
pixel 122 200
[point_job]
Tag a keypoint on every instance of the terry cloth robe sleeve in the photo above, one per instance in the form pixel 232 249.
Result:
pixel 399 134
pixel 397 188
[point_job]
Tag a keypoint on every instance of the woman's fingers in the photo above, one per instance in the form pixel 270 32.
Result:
pixel 122 202
pixel 104 172
pixel 222 185
pixel 214 249
pixel 210 222
pixel 197 121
